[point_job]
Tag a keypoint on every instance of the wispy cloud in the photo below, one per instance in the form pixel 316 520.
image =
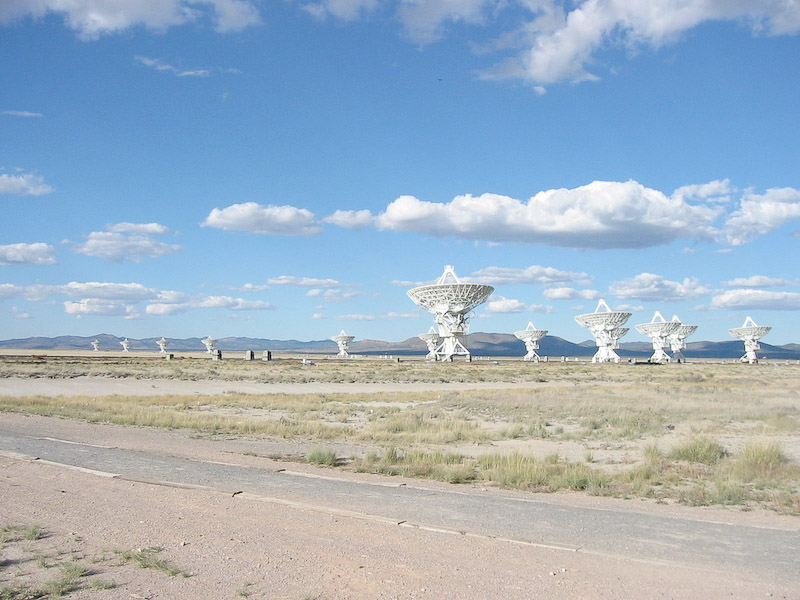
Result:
pixel 92 19
pixel 24 114
pixel 159 65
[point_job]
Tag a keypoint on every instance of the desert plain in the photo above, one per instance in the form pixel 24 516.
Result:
pixel 683 446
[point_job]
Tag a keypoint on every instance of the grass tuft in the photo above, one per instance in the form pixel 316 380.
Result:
pixel 699 450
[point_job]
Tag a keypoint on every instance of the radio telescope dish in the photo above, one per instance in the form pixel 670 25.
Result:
pixel 451 302
pixel 659 329
pixel 531 336
pixel 677 339
pixel 162 344
pixel 96 345
pixel 431 340
pixel 343 341
pixel 126 345
pixel 209 344
pixel 750 333
pixel 607 330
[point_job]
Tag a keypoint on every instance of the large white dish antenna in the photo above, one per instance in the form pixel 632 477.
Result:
pixel 659 330
pixel 343 341
pixel 606 326
pixel 531 336
pixel 677 339
pixel 431 340
pixel 450 301
pixel 750 333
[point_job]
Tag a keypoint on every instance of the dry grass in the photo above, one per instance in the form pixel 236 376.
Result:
pixel 698 433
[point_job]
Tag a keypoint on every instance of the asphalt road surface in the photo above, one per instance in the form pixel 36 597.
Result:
pixel 766 553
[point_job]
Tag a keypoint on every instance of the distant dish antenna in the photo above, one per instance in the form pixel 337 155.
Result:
pixel 607 330
pixel 677 339
pixel 343 341
pixel 126 345
pixel 531 336
pixel 162 344
pixel 659 330
pixel 750 333
pixel 451 303
pixel 209 344
pixel 96 345
pixel 431 340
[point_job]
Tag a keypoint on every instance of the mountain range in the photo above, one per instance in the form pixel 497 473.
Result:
pixel 480 344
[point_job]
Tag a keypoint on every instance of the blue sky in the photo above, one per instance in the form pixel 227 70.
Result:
pixel 288 169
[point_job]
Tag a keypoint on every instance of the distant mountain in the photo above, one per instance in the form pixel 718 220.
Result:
pixel 480 344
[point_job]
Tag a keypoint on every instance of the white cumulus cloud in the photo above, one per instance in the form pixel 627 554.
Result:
pixel 761 213
pixel 569 293
pixel 602 214
pixel 38 253
pixel 749 299
pixel 560 38
pixel 351 219
pixel 25 184
pixel 648 286
pixel 126 242
pixel 100 307
pixel 503 305
pixel 268 220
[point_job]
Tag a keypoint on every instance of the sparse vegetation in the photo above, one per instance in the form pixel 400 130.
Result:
pixel 672 432
pixel 148 558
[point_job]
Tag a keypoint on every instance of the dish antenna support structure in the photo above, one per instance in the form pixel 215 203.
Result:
pixel 431 340
pixel 750 333
pixel 451 303
pixel 677 339
pixel 531 336
pixel 659 330
pixel 607 330
pixel 343 341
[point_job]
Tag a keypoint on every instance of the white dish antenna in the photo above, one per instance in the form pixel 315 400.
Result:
pixel 750 333
pixel 343 341
pixel 162 344
pixel 96 345
pixel 531 336
pixel 450 301
pixel 677 339
pixel 209 344
pixel 431 340
pixel 126 345
pixel 606 326
pixel 659 330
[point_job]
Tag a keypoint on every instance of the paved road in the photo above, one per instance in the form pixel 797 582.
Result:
pixel 768 553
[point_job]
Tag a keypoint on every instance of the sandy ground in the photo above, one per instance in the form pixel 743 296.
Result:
pixel 237 546
pixel 106 386
pixel 242 546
